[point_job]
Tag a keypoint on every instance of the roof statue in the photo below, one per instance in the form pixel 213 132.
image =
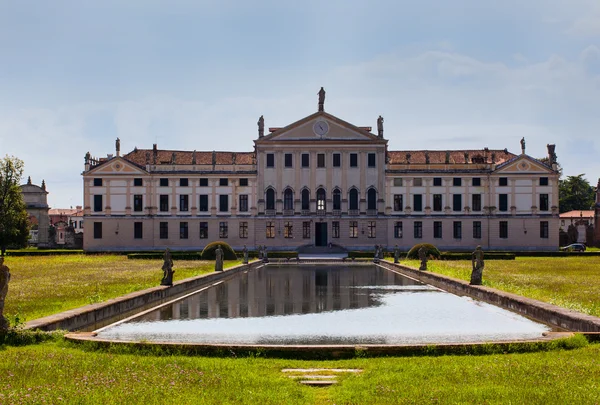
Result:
pixel 380 126
pixel 233 157
pixel 408 158
pixel 173 158
pixel 118 147
pixel 194 157
pixel 29 180
pixel 261 126
pixel 551 153
pixel 447 157
pixel 43 185
pixel 523 145
pixel 426 157
pixel 88 156
pixel 147 157
pixel 321 94
pixel 466 157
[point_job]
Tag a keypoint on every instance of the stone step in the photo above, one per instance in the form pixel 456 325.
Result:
pixel 318 383
pixel 313 377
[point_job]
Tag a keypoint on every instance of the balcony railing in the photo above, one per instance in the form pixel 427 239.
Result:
pixel 353 213
pixel 336 213
pixel 270 213
pixel 372 212
pixel 305 213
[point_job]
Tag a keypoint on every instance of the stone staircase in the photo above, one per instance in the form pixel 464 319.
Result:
pixel 321 250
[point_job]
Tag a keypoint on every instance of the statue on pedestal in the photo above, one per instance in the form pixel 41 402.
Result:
pixel 396 254
pixel 260 252
pixel 265 257
pixel 478 264
pixel 4 279
pixel 321 94
pixel 523 145
pixel 167 269
pixel 423 258
pixel 245 251
pixel 261 126
pixel 380 126
pixel 219 258
pixel 376 255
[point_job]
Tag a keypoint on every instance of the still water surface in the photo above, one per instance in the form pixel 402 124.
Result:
pixel 313 305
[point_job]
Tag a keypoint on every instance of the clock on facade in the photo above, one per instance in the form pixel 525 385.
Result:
pixel 321 128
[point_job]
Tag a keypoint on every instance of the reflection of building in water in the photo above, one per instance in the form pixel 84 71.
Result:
pixel 286 290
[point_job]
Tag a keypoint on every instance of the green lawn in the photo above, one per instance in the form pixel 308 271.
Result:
pixel 569 282
pixel 45 285
pixel 60 373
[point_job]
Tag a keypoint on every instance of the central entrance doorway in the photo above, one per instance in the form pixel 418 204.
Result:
pixel 321 234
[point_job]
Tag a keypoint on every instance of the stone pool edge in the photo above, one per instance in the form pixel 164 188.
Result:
pixel 541 311
pixel 98 314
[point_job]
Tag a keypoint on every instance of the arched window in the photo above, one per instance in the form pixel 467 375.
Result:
pixel 270 199
pixel 288 199
pixel 337 199
pixel 372 199
pixel 305 199
pixel 353 197
pixel 320 200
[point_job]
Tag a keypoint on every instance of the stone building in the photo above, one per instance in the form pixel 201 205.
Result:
pixel 36 202
pixel 321 181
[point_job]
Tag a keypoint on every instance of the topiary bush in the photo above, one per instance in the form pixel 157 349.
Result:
pixel 432 251
pixel 209 251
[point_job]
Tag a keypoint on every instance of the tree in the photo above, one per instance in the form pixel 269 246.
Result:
pixel 575 193
pixel 14 226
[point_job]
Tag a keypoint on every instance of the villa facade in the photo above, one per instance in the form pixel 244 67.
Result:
pixel 321 181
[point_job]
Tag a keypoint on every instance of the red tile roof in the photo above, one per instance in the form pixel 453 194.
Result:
pixel 456 156
pixel 578 214
pixel 138 156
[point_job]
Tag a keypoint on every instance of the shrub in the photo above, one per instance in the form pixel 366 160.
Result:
pixel 209 251
pixel 432 251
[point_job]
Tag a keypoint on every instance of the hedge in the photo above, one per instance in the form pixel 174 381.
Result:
pixel 159 255
pixel 432 251
pixel 209 251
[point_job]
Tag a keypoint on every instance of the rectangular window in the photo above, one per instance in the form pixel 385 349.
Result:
pixel 476 182
pixel 476 229
pixel 457 202
pixel 335 229
pixel 418 230
pixel 163 203
pixel 270 160
pixel 418 202
pixel 203 182
pixel 243 202
pixel 243 230
pixel 97 182
pixel 337 160
pixel 437 229
pixel 288 159
pixel 288 230
pixel 320 160
pixel 184 202
pixel 183 182
pixel 163 230
pixel 138 230
pixel 270 229
pixel 137 182
pixel 437 202
pixel 183 230
pixel 544 202
pixel 418 182
pixel 437 181
pixel 354 160
pixel 305 160
pixel 306 230
pixel 503 229
pixel 97 203
pixel 353 229
pixel 397 181
pixel 203 206
pixel 476 202
pixel 372 229
pixel 398 229
pixel 203 230
pixel 224 182
pixel 164 182
pixel 543 181
pixel 457 230
pixel 138 204
pixel 503 181
pixel 398 202
pixel 544 230
pixel 223 230
pixel 243 182
pixel 503 202
pixel 372 160
pixel 97 230
pixel 223 203
pixel 457 182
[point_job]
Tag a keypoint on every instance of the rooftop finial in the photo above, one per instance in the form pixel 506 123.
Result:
pixel 29 180
pixel 43 185
pixel 321 94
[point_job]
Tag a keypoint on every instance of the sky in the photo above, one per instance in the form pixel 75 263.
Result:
pixel 461 74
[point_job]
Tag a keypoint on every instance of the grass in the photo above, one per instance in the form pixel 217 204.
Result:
pixel 46 285
pixel 59 372
pixel 569 282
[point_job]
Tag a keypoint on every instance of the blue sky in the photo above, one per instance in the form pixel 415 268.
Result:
pixel 75 75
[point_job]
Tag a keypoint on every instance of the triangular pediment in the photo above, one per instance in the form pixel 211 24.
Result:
pixel 523 164
pixel 117 165
pixel 309 128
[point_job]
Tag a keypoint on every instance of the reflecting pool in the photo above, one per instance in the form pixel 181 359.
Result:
pixel 317 305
